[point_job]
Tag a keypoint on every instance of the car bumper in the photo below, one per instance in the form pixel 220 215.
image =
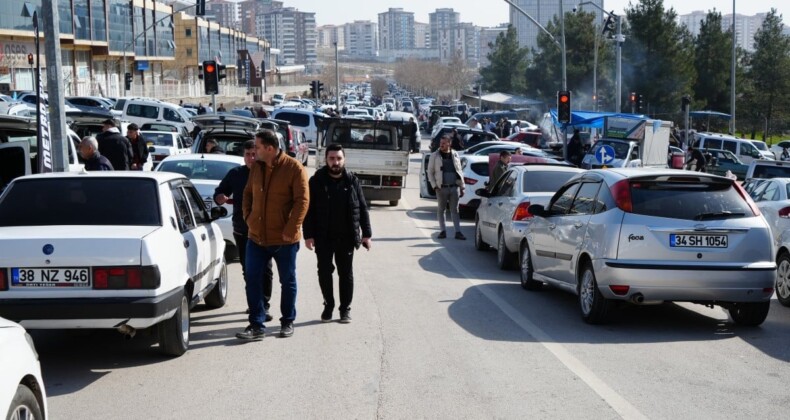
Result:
pixel 688 282
pixel 111 312
pixel 514 233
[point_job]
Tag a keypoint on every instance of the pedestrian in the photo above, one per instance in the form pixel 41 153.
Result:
pixel 201 109
pixel 499 168
pixel 221 108
pixel 209 109
pixel 275 203
pixel 412 131
pixel 473 123
pixel 232 185
pixel 139 147
pixel 698 157
pixel 337 223
pixel 446 178
pixel 507 127
pixel 115 147
pixel 575 150
pixel 213 147
pixel 456 142
pixel 94 161
pixel 516 127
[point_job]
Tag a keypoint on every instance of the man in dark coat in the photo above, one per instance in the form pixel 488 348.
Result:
pixel 94 161
pixel 337 223
pixel 115 147
pixel 139 147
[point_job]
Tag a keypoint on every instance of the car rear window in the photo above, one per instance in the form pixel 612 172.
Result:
pixel 480 168
pixel 81 202
pixel 299 120
pixel 198 169
pixel 689 199
pixel 545 181
pixel 770 171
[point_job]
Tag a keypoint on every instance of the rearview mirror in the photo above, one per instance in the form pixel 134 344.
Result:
pixel 218 212
pixel 537 210
pixel 482 192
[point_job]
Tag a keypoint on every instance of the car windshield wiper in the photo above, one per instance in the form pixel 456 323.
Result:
pixel 720 215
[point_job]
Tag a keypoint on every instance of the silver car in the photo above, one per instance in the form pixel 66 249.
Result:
pixel 652 235
pixel 502 217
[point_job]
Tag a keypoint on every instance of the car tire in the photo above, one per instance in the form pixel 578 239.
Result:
pixel 217 297
pixel 174 332
pixel 782 285
pixel 479 244
pixel 527 270
pixel 393 203
pixel 24 405
pixel 749 314
pixel 505 259
pixel 594 307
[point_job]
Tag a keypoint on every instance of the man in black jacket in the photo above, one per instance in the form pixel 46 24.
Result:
pixel 336 224
pixel 139 147
pixel 94 161
pixel 115 147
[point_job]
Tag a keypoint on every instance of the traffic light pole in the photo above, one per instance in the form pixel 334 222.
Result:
pixel 214 102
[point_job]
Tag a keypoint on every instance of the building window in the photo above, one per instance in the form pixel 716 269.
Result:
pixel 188 33
pixel 189 52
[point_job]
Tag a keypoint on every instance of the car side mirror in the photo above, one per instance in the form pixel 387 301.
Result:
pixel 482 192
pixel 218 212
pixel 537 210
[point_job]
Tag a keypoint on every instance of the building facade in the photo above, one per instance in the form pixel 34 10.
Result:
pixel 290 31
pixel 543 11
pixel 361 38
pixel 328 35
pixel 422 35
pixel 461 41
pixel 746 27
pixel 396 30
pixel 250 9
pixel 226 13
pixel 441 19
pixel 488 38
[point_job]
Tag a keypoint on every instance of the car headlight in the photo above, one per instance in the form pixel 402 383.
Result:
pixel 29 340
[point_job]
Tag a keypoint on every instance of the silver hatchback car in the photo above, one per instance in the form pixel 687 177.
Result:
pixel 649 236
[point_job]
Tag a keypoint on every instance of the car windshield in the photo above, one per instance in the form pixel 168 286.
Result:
pixel 688 199
pixel 160 139
pixel 769 171
pixel 760 145
pixel 545 181
pixel 81 201
pixel 198 168
pixel 364 138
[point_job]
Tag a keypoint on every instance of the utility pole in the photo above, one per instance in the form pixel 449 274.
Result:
pixel 732 75
pixel 57 99
pixel 619 39
pixel 337 80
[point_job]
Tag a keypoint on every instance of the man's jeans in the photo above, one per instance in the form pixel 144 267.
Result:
pixel 241 246
pixel 258 257
pixel 343 253
pixel 443 196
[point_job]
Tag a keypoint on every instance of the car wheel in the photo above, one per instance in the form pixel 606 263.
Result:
pixel 24 405
pixel 504 258
pixel 527 271
pixel 393 203
pixel 219 294
pixel 479 244
pixel 174 332
pixel 594 307
pixel 783 279
pixel 750 314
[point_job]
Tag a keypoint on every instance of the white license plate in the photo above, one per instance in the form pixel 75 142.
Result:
pixel 698 241
pixel 50 277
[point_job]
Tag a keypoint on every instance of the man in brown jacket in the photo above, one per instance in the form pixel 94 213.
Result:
pixel 275 203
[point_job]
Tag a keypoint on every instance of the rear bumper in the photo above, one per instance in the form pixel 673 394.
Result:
pixel 381 193
pixel 139 312
pixel 725 282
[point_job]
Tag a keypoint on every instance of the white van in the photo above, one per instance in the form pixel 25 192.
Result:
pixel 141 111
pixel 307 121
pixel 744 149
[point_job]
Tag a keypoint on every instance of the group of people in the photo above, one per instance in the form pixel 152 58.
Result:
pixel 112 151
pixel 275 205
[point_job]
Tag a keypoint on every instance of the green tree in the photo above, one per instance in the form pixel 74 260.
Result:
pixel 658 59
pixel 508 63
pixel 713 63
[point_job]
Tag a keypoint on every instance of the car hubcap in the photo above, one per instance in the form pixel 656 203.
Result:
pixel 223 282
pixel 525 265
pixel 783 279
pixel 22 413
pixel 185 320
pixel 501 250
pixel 587 292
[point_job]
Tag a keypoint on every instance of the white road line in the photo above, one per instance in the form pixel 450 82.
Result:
pixel 615 400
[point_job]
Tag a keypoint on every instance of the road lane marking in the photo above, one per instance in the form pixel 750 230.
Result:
pixel 616 401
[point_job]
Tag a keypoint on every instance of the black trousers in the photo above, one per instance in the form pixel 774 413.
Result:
pixel 268 277
pixel 342 252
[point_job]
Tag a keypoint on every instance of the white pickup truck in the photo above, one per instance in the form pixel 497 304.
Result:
pixel 375 151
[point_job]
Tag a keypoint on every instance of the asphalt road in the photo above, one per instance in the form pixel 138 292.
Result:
pixel 438 332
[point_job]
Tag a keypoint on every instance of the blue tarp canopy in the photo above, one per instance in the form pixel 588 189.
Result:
pixel 590 119
pixel 708 114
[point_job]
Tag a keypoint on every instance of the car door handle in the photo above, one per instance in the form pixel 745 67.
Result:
pixel 186 243
pixel 203 236
pixel 578 225
pixel 552 225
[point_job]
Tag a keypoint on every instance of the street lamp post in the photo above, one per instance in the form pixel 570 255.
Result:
pixel 337 80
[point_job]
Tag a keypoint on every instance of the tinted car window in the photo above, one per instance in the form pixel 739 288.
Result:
pixel 730 146
pixel 544 181
pixel 300 120
pixel 198 169
pixel 197 205
pixel 688 200
pixel 563 202
pixel 584 203
pixel 183 213
pixel 480 168
pixel 83 201
pixel 768 172
pixel 172 115
pixel 771 192
pixel 145 111
pixel 159 139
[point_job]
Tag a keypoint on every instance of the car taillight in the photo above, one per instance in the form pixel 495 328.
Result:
pixel 126 277
pixel 619 290
pixel 470 181
pixel 621 192
pixel 522 212
pixel 748 198
pixel 784 213
pixel 3 279
pixel 392 181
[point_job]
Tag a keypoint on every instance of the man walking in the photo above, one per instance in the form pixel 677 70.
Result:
pixel 94 161
pixel 446 178
pixel 275 203
pixel 233 185
pixel 336 224
pixel 139 148
pixel 115 147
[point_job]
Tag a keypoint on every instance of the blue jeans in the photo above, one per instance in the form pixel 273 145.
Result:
pixel 258 258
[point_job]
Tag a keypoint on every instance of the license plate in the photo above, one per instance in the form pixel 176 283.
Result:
pixel 50 277
pixel 698 241
pixel 365 182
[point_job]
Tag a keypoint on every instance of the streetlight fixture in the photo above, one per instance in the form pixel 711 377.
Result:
pixel 619 38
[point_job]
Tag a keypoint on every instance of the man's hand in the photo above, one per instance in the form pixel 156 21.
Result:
pixel 134 166
pixel 461 194
pixel 367 243
pixel 221 199
pixel 309 243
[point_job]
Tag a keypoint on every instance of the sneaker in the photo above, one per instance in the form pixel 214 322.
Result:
pixel 326 315
pixel 267 318
pixel 345 317
pixel 252 333
pixel 459 235
pixel 442 235
pixel 287 330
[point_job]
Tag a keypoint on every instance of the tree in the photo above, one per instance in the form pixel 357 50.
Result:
pixel 508 64
pixel 713 62
pixel 378 86
pixel 457 74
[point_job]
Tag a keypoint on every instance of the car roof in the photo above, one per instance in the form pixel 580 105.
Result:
pixel 216 157
pixel 624 173
pixel 160 177
pixel 545 167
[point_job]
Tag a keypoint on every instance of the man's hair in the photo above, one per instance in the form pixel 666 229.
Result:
pixel 268 138
pixel 211 140
pixel 249 144
pixel 91 141
pixel 109 122
pixel 504 153
pixel 446 137
pixel 334 147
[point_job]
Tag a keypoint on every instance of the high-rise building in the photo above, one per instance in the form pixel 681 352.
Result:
pixel 226 13
pixel 745 26
pixel 488 37
pixel 250 9
pixel 543 11
pixel 693 21
pixel 422 35
pixel 292 32
pixel 461 41
pixel 361 38
pixel 329 34
pixel 441 19
pixel 396 30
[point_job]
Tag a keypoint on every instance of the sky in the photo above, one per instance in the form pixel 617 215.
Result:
pixel 494 12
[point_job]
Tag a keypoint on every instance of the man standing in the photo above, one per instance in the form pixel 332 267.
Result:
pixel 412 130
pixel 201 109
pixel 446 177
pixel 499 168
pixel 221 108
pixel 115 147
pixel 94 161
pixel 233 185
pixel 698 157
pixel 336 224
pixel 139 148
pixel 275 203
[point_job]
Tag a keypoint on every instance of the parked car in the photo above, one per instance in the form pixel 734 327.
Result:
pixel 723 161
pixel 164 144
pixel 744 149
pixel 503 216
pixel 470 136
pixel 306 121
pixel 141 111
pixel 295 139
pixel 22 391
pixel 765 152
pixel 526 150
pixel 123 250
pixel 773 199
pixel 767 169
pixel 778 148
pixel 230 132
pixel 647 236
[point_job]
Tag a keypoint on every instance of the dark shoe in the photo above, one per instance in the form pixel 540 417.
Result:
pixel 247 311
pixel 442 235
pixel 459 235
pixel 287 330
pixel 252 333
pixel 267 318
pixel 326 315
pixel 345 317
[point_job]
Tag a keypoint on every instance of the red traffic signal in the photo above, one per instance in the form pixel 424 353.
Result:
pixel 30 58
pixel 210 68
pixel 564 106
pixel 564 98
pixel 633 97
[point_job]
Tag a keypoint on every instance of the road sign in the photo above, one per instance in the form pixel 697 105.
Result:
pixel 605 155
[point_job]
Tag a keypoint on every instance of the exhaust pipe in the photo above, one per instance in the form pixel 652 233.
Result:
pixel 638 298
pixel 127 331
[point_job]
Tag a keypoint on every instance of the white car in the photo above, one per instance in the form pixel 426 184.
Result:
pixel 778 148
pixel 475 171
pixel 22 392
pixel 164 144
pixel 206 171
pixel 773 199
pixel 122 250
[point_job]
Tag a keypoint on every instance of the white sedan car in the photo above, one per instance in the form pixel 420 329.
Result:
pixel 164 144
pixel 22 392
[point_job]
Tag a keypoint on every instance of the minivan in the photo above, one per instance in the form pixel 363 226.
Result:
pixel 307 121
pixel 744 149
pixel 141 111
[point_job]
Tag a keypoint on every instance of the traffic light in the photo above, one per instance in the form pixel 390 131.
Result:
pixel 127 81
pixel 210 78
pixel 609 25
pixel 632 98
pixel 313 88
pixel 200 8
pixel 476 89
pixel 320 88
pixel 221 71
pixel 638 103
pixel 30 59
pixel 564 106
